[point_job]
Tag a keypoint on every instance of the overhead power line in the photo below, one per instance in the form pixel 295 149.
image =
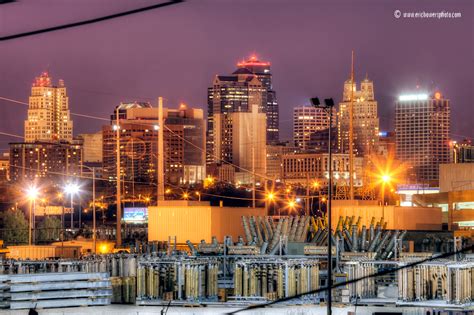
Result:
pixel 91 21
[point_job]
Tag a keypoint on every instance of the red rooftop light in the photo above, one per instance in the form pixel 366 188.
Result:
pixel 252 61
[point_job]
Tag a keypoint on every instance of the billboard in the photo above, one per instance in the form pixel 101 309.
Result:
pixel 51 210
pixel 135 214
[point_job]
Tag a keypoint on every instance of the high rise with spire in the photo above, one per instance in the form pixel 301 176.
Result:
pixel 48 112
pixel 365 120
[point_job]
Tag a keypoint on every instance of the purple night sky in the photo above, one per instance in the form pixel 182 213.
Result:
pixel 176 51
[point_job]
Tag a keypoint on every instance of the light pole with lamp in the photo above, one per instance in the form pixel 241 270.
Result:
pixel 32 193
pixel 328 107
pixel 72 189
pixel 94 226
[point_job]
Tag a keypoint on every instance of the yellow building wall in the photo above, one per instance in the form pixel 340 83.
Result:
pixel 194 222
pixel 397 218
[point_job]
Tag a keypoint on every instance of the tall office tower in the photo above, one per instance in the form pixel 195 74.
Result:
pixel 240 139
pixel 48 112
pixel 238 92
pixel 251 83
pixel 184 144
pixel 262 70
pixel 307 120
pixel 365 120
pixel 422 131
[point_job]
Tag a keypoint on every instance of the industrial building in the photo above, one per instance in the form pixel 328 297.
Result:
pixel 414 218
pixel 455 197
pixel 195 221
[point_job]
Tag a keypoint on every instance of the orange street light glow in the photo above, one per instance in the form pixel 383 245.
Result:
pixel 32 193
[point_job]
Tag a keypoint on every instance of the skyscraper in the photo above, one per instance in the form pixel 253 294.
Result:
pixel 307 120
pixel 251 83
pixel 365 119
pixel 262 70
pixel 48 112
pixel 49 151
pixel 239 92
pixel 422 131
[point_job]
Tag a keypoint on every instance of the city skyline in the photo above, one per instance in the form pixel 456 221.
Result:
pixel 298 73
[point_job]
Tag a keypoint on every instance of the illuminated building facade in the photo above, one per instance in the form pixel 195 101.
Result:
pixel 307 120
pixel 274 156
pixel 48 112
pixel 240 140
pixel 184 144
pixel 365 119
pixel 422 132
pixel 386 144
pixel 250 84
pixel 44 160
pixel 301 168
pixel 463 152
pixel 263 72
pixel 319 140
pixel 92 144
pixel 4 167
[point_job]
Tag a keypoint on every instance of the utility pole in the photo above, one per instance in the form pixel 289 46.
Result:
pixel 328 211
pixel 94 229
pixel 351 134
pixel 119 188
pixel 253 176
pixel 307 195
pixel 161 172
pixel 328 106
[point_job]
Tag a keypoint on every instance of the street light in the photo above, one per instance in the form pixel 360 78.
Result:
pixel 385 179
pixel 94 226
pixel 72 189
pixel 328 107
pixel 270 196
pixel 291 204
pixel 32 194
pixel 199 195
